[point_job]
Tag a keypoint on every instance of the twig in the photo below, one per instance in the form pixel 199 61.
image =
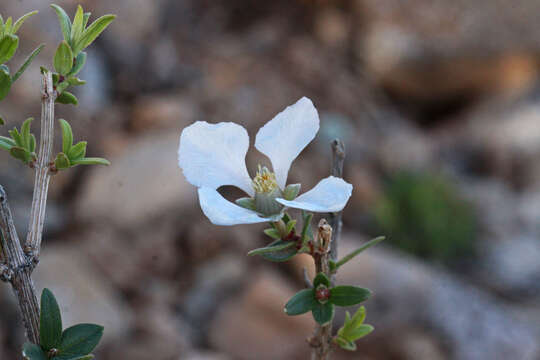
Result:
pixel 41 184
pixel 17 269
pixel 338 158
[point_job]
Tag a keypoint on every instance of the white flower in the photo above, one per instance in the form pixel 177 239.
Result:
pixel 213 155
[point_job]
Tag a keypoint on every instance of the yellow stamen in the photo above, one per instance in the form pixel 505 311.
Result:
pixel 264 181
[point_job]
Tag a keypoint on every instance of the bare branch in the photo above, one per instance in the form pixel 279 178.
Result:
pixel 41 184
pixel 16 269
pixel 338 158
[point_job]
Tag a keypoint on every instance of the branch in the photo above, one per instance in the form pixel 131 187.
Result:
pixel 16 269
pixel 338 158
pixel 41 184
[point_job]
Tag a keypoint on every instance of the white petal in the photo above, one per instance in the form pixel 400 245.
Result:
pixel 221 211
pixel 213 155
pixel 329 195
pixel 284 137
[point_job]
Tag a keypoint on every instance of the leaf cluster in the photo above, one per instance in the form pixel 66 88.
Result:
pixel 21 144
pixel 353 329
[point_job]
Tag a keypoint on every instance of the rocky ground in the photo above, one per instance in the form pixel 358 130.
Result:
pixel 429 86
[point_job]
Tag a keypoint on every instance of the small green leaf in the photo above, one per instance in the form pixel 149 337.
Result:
pixel 360 332
pixel 63 58
pixel 7 26
pixel 321 278
pixel 323 313
pixel 345 344
pixel 353 329
pixel 62 161
pixel 67 98
pixel 61 87
pixel 77 151
pixel 2 122
pixel 302 302
pixel 290 226
pixel 17 137
pixel 273 247
pixel 291 191
pixel 25 133
pixel 91 161
pixel 273 233
pixel 27 62
pixel 33 352
pixel 86 18
pixel 288 251
pixel 348 295
pixel 6 143
pixel 50 321
pixel 75 81
pixel 80 60
pixel 5 83
pixel 307 233
pixel 93 31
pixel 8 46
pixel 67 136
pixel 77 28
pixel 32 143
pixel 367 245
pixel 20 21
pixel 246 202
pixel 65 22
pixel 21 154
pixel 80 339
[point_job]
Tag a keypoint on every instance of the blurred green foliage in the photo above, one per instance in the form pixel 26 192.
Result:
pixel 424 215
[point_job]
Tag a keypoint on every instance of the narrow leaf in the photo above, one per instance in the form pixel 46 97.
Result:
pixel 86 18
pixel 6 143
pixel 280 255
pixel 63 58
pixel 360 332
pixel 21 20
pixel 67 98
pixel 67 136
pixel 50 321
pixel 302 302
pixel 65 22
pixel 348 295
pixel 77 27
pixel 5 83
pixel 273 233
pixel 25 133
pixel 27 62
pixel 80 60
pixel 8 46
pixel 91 161
pixel 358 251
pixel 93 31
pixel 77 151
pixel 274 247
pixel 307 234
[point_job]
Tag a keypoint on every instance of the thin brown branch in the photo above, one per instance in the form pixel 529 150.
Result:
pixel 338 158
pixel 17 269
pixel 41 183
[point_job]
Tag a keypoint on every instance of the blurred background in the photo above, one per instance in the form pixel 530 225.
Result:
pixel 438 103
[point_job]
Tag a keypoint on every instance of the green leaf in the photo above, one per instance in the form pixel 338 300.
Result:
pixel 63 58
pixel 86 18
pixel 50 321
pixel 33 352
pixel 77 28
pixel 276 246
pixel 27 62
pixel 67 135
pixel 7 26
pixel 80 60
pixel 16 136
pixel 290 226
pixel 345 344
pixel 75 81
pixel 348 295
pixel 291 191
pixel 367 245
pixel 25 133
pixel 77 151
pixel 2 122
pixel 8 46
pixel 32 143
pixel 302 302
pixel 93 31
pixel 6 143
pixel 323 313
pixel 20 21
pixel 360 332
pixel 353 329
pixel 246 202
pixel 307 233
pixel 5 83
pixel 321 278
pixel 273 233
pixel 62 162
pixel 20 154
pixel 67 98
pixel 80 339
pixel 65 22
pixel 91 161
pixel 61 87
pixel 281 251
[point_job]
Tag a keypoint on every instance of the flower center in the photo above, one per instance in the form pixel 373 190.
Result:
pixel 264 181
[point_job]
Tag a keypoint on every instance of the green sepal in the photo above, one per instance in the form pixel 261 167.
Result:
pixel 91 161
pixel 27 62
pixel 302 302
pixel 33 352
pixel 280 251
pixel 350 256
pixel 273 233
pixel 67 98
pixel 323 313
pixel 5 83
pixel 20 21
pixel 347 295
pixel 62 161
pixel 291 191
pixel 8 45
pixel 80 60
pixel 246 203
pixel 80 340
pixel 50 321
pixel 92 32
pixel 275 247
pixel 77 151
pixel 64 20
pixel 67 136
pixel 321 279
pixel 63 58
